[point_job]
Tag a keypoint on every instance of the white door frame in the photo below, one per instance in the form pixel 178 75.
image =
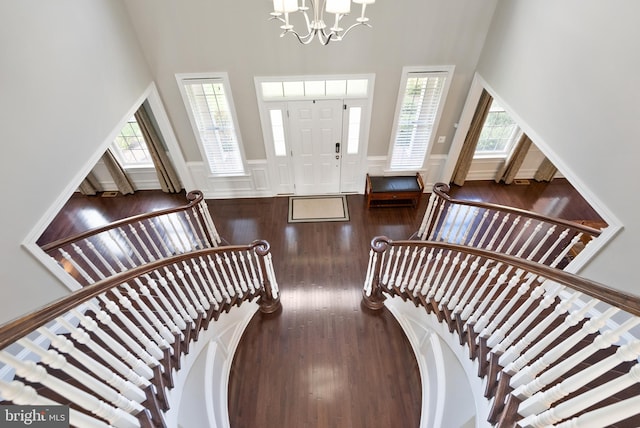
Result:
pixel 279 165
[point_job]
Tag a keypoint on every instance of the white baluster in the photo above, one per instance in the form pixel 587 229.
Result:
pixel 149 358
pixel 387 261
pixel 444 266
pixel 162 238
pixel 136 370
pixel 150 345
pixel 416 270
pixel 129 248
pixel 602 341
pixel 57 361
pixel 209 284
pixel 152 241
pixel 24 395
pixel 192 285
pixel 181 299
pixel 541 242
pixel 426 218
pixel 225 278
pixel 426 268
pixel 152 325
pixel 409 269
pixel 508 359
pixel 228 273
pixel 268 261
pixel 193 231
pixel 243 273
pixel 189 235
pixel 496 234
pixel 516 240
pixel 181 237
pixel 237 273
pixel 82 337
pixel 35 373
pixel 481 325
pixel 141 242
pixel 458 301
pixel 565 251
pixel 77 267
pixel 488 230
pixel 170 317
pixel 542 401
pixel 394 267
pixel 605 416
pixel 467 225
pixel 507 317
pixel 67 347
pixel 399 278
pixel 482 298
pixel 428 283
pixel 446 286
pixel 465 306
pixel 189 296
pixel 368 279
pixel 434 227
pixel 583 401
pixel 560 238
pixel 444 227
pixel 219 283
pixel 452 222
pixel 204 211
pixel 497 340
pixel 254 280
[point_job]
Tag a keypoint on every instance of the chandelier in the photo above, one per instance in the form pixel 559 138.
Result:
pixel 314 18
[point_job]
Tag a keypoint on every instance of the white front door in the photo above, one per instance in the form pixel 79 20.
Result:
pixel 315 136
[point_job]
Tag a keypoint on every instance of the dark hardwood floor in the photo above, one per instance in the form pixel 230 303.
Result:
pixel 323 361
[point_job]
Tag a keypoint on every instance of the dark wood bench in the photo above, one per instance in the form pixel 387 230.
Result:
pixel 393 190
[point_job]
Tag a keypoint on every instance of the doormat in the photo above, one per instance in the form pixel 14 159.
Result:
pixel 308 209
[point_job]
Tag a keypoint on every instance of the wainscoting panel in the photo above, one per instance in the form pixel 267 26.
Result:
pixel 254 184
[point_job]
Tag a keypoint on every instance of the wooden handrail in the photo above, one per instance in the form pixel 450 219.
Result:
pixel 594 289
pixel 194 197
pixel 21 326
pixel 527 324
pixel 441 190
pixel 140 322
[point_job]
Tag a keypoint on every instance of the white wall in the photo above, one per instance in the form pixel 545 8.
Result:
pixel 69 72
pixel 202 36
pixel 569 70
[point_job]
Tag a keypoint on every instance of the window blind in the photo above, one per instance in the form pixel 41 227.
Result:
pixel 215 125
pixel 416 119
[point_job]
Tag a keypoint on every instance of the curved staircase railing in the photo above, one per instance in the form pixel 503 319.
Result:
pixel 110 350
pixel 503 229
pixel 542 338
pixel 104 251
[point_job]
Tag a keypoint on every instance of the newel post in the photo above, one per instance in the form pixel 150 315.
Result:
pixel 269 301
pixel 372 296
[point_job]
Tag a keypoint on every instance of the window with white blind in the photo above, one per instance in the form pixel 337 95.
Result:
pixel 422 94
pixel 209 104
